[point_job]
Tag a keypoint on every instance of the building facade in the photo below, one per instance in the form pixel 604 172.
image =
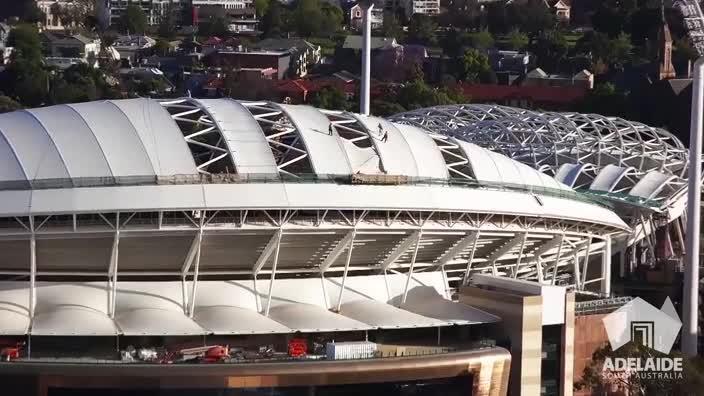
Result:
pixel 424 7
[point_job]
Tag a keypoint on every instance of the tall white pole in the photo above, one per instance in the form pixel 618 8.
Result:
pixel 366 56
pixel 691 265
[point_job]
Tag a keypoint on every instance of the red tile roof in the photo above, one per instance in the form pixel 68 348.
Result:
pixel 541 94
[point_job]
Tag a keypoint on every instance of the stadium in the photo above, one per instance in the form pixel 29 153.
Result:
pixel 143 222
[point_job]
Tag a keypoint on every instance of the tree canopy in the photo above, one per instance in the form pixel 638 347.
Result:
pixel 517 40
pixel 133 20
pixel 7 104
pixel 422 30
pixel 475 66
pixel 330 98
pixel 317 18
pixel 25 77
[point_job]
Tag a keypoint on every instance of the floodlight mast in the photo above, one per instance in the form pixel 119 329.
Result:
pixel 691 265
pixel 367 6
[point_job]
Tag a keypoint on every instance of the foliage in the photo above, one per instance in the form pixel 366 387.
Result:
pixel 80 83
pixel 330 98
pixel 391 27
pixel 161 47
pixel 532 17
pixel 421 30
pixel 602 49
pixel 692 381
pixel 25 78
pixel 475 66
pixel 417 94
pixel 167 23
pixel 551 50
pixel 272 21
pixel 216 26
pixel 317 18
pixel 517 40
pixel 79 14
pixel 605 99
pixel 133 20
pixel 7 104
pixel 614 16
pixel 481 40
pixel 261 7
pixel 382 108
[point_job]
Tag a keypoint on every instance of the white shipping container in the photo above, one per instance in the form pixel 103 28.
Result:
pixel 350 350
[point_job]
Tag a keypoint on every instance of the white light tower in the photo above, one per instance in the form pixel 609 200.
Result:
pixel 691 265
pixel 367 6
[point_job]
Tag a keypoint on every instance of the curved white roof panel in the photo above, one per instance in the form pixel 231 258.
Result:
pixel 396 155
pixel 117 137
pixel 608 178
pixel 66 128
pixel 428 158
pixel 327 156
pixel 72 309
pixel 248 146
pixel 14 308
pixel 650 185
pixel 33 147
pixel 160 136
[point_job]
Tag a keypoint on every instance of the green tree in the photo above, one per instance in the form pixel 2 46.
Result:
pixel 422 30
pixel 606 100
pixel 614 16
pixel 481 40
pixel 391 26
pixel 532 17
pixel 25 78
pixel 551 50
pixel 167 23
pixel 330 98
pixel 133 20
pixel 7 104
pixel 216 26
pixel 80 83
pixel 162 47
pixel 382 108
pixel 475 66
pixel 517 40
pixel 272 22
pixel 317 18
pixel 261 7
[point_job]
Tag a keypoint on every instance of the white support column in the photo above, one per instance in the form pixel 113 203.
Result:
pixel 576 271
pixel 690 311
pixel 366 56
pixel 503 250
pixel 196 270
pixel 585 268
pixel 399 250
pixel 410 270
pixel 32 270
pixel 337 251
pixel 273 272
pixel 558 256
pixel 539 270
pixel 606 267
pixel 114 260
pixel 347 266
pixel 520 255
pixel 268 250
pixel 465 242
pixel 465 279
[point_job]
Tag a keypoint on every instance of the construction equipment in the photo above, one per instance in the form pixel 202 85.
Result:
pixel 206 354
pixel 10 353
pixel 297 347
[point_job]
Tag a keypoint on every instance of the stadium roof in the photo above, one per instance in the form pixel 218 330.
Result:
pixel 625 160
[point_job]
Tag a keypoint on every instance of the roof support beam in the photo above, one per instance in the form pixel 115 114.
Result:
pixel 520 255
pixel 576 270
pixel 585 267
pixel 347 266
pixel 400 250
pixel 465 279
pixel 460 246
pixel 191 254
pixel 504 249
pixel 413 262
pixel 606 267
pixel 114 258
pixel 557 260
pixel 268 250
pixel 194 283
pixel 273 272
pixel 337 250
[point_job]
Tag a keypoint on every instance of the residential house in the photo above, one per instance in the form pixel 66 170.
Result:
pixel 77 47
pixel 356 16
pixel 425 7
pixel 509 61
pixel 51 19
pixel 240 15
pixel 304 54
pixel 154 9
pixel 244 58
pixel 354 42
pixel 129 47
pixel 562 9
pixel 537 77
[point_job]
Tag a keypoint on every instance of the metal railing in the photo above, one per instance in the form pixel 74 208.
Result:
pixel 265 178
pixel 602 305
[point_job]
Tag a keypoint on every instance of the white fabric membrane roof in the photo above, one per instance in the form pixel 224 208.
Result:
pixel 233 307
pixel 142 137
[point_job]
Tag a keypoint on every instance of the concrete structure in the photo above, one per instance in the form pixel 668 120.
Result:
pixel 583 79
pixel 154 9
pixel 538 321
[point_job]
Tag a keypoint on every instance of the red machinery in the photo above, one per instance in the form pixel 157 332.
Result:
pixel 11 352
pixel 297 347
pixel 216 354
